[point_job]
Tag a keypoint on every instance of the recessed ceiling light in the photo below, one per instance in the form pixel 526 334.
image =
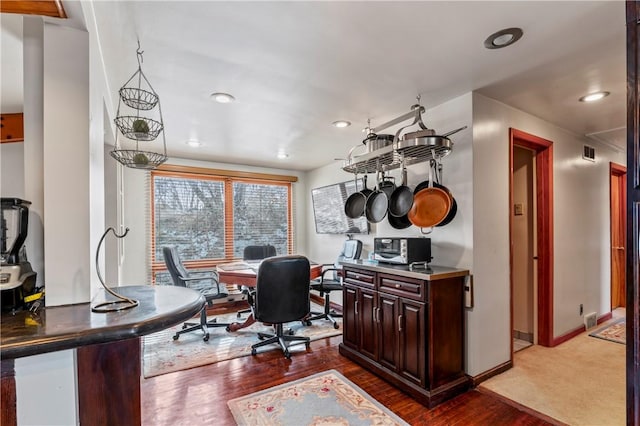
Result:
pixel 503 38
pixel 341 124
pixel 223 98
pixel 282 155
pixel 194 143
pixel 591 97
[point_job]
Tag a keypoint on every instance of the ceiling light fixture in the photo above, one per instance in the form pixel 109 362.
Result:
pixel 592 97
pixel 282 155
pixel 194 143
pixel 222 98
pixel 341 124
pixel 503 38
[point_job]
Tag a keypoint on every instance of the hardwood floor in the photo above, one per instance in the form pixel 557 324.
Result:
pixel 200 395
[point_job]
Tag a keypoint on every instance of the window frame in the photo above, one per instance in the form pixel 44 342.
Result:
pixel 228 178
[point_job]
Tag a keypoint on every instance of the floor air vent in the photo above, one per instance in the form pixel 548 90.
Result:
pixel 589 153
pixel 590 320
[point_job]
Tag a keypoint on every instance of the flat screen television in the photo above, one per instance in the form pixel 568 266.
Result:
pixel 328 209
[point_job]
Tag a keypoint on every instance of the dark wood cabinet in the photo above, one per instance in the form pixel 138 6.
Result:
pixel 409 331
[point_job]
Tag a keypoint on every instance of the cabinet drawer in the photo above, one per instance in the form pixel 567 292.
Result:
pixel 359 277
pixel 406 287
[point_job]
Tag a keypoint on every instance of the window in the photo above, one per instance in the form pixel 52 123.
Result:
pixel 211 215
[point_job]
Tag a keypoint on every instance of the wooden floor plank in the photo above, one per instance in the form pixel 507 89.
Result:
pixel 200 395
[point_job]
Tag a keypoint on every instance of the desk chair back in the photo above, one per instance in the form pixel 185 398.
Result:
pixel 259 252
pixel 282 289
pixel 174 265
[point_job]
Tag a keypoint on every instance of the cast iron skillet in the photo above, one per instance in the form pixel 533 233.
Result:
pixel 399 222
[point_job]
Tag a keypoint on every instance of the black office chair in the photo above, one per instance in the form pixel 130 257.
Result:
pixel 282 295
pixel 208 285
pixel 330 281
pixel 258 252
pixel 254 253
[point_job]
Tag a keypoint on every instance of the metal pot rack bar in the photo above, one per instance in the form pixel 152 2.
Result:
pixel 415 150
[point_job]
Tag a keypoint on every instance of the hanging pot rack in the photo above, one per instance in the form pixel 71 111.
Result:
pixel 416 147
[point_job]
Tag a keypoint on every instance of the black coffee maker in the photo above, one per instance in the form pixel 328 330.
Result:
pixel 17 278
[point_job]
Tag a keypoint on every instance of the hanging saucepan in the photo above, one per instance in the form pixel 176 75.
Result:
pixel 401 199
pixel 377 205
pixel 355 204
pixel 388 185
pixel 375 142
pixel 430 206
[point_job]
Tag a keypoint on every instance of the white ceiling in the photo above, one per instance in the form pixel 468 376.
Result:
pixel 295 67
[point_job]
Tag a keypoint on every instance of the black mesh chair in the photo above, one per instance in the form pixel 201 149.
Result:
pixel 254 253
pixel 330 281
pixel 282 295
pixel 208 285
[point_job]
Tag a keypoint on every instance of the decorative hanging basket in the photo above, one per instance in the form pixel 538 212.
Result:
pixel 137 159
pixel 138 98
pixel 134 97
pixel 138 128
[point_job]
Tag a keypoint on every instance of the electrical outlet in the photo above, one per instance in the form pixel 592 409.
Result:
pixel 581 309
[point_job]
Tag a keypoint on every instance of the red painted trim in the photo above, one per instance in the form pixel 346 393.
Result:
pixel 579 330
pixel 544 201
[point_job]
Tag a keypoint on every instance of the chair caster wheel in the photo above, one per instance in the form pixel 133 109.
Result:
pixel 336 326
pixel 287 355
pixel 260 337
pixel 307 345
pixel 176 336
pixel 228 329
pixel 214 320
pixel 239 315
pixel 308 323
pixel 184 326
pixel 291 332
pixel 206 337
pixel 253 352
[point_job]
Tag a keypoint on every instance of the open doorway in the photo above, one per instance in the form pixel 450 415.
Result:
pixel 618 202
pixel 531 238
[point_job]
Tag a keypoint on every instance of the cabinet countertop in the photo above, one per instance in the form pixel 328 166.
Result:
pixel 70 326
pixel 432 273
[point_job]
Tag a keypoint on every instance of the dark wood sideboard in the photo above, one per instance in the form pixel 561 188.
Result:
pixel 407 327
pixel 108 348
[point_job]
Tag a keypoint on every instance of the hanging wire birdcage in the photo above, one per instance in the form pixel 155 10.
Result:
pixel 137 95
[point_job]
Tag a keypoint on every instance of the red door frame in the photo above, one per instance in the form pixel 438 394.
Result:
pixel 544 201
pixel 620 171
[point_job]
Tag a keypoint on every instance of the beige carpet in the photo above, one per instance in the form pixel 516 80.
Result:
pixel 580 382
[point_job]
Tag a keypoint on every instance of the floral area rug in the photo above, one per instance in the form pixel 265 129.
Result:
pixel 326 398
pixel 615 332
pixel 162 354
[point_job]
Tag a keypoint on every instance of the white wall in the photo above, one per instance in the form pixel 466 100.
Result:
pixel 136 267
pixel 11 170
pixel 581 229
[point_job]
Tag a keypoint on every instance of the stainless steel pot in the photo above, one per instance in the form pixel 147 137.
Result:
pixel 375 142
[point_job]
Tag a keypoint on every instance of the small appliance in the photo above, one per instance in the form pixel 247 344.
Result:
pixel 17 278
pixel 402 251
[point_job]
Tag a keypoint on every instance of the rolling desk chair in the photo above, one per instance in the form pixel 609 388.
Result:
pixel 282 295
pixel 330 281
pixel 254 252
pixel 208 285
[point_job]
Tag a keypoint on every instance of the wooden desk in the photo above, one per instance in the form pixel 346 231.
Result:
pixel 245 273
pixel 108 348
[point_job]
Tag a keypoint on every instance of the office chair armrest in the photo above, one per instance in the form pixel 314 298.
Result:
pixel 334 269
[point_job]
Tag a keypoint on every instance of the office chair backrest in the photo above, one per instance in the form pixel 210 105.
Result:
pixel 282 289
pixel 258 252
pixel 174 265
pixel 351 250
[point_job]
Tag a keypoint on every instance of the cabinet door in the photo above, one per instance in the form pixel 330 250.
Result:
pixel 413 340
pixel 367 320
pixel 350 324
pixel 387 316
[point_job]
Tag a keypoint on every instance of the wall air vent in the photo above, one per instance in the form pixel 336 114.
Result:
pixel 589 153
